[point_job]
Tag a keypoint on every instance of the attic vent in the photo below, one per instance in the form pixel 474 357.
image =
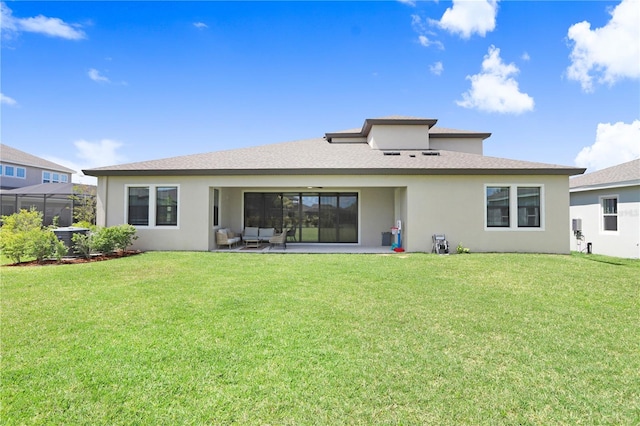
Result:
pixel 430 153
pixel 391 153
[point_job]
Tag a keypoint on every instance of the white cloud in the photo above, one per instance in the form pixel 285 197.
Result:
pixel 200 25
pixel 411 3
pixel 525 57
pixel 615 144
pixel 90 155
pixel 467 17
pixel 494 89
pixel 423 31
pixel 51 27
pixel 95 75
pixel 4 99
pixel 436 68
pixel 609 53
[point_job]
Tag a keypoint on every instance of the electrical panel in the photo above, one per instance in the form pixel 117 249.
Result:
pixel 576 225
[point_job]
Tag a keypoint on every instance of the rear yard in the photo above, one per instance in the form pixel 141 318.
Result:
pixel 219 338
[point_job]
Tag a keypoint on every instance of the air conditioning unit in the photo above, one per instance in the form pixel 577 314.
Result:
pixel 576 225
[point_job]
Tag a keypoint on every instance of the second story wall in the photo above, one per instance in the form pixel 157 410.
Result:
pixel 18 176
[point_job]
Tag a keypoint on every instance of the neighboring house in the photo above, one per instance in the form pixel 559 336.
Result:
pixel 19 169
pixel 348 187
pixel 605 209
pixel 28 181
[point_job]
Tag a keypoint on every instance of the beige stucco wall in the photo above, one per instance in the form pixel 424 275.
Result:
pixel 453 205
pixel 469 145
pixel 399 137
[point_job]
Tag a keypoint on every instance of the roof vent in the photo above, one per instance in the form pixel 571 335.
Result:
pixel 430 153
pixel 391 153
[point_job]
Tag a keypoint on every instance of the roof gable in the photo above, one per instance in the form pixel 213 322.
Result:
pixel 628 172
pixel 15 156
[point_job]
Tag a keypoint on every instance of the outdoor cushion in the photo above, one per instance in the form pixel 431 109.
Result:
pixel 250 232
pixel 265 233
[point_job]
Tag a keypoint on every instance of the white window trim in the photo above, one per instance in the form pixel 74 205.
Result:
pixel 152 205
pixel 513 208
pixel 601 214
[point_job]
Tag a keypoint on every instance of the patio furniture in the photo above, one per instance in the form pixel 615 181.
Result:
pixel 226 237
pixel 252 242
pixel 255 233
pixel 279 239
pixel 291 233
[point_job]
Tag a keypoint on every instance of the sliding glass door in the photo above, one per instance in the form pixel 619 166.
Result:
pixel 309 217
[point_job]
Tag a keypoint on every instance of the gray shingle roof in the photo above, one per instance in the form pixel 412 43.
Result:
pixel 625 172
pixel 42 189
pixel 15 156
pixel 317 156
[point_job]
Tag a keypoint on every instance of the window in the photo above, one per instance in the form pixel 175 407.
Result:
pixel 152 205
pixel 527 206
pixel 498 206
pixel 216 207
pixel 9 171
pixel 167 206
pixel 21 172
pixel 609 213
pixel 64 178
pixel 311 217
pixel 138 213
pixel 46 177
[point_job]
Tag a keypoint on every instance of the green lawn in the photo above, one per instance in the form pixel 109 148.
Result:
pixel 220 338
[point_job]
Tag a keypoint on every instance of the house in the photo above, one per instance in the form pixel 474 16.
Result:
pixel 27 181
pixel 348 187
pixel 605 211
pixel 19 169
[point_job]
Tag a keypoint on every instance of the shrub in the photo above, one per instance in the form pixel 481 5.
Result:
pixel 119 237
pixel 83 244
pixel 22 235
pixel 13 244
pixel 43 244
pixel 462 249
pixel 124 236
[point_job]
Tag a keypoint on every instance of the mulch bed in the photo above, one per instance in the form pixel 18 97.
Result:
pixel 75 260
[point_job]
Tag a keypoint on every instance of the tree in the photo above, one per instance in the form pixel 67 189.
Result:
pixel 84 203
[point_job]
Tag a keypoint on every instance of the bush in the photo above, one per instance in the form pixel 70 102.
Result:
pixel 43 244
pixel 119 237
pixel 124 236
pixel 83 244
pixel 462 249
pixel 22 236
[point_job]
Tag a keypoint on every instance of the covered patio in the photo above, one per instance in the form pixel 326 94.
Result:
pixel 302 248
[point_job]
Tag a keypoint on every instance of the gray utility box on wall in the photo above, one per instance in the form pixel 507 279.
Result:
pixel 386 238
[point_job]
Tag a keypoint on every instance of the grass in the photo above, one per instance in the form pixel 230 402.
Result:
pixel 220 338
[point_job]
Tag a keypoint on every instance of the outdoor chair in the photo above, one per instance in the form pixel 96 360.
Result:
pixel 225 237
pixel 279 239
pixel 291 233
pixel 440 244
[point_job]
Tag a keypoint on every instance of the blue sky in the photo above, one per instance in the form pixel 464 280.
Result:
pixel 89 84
